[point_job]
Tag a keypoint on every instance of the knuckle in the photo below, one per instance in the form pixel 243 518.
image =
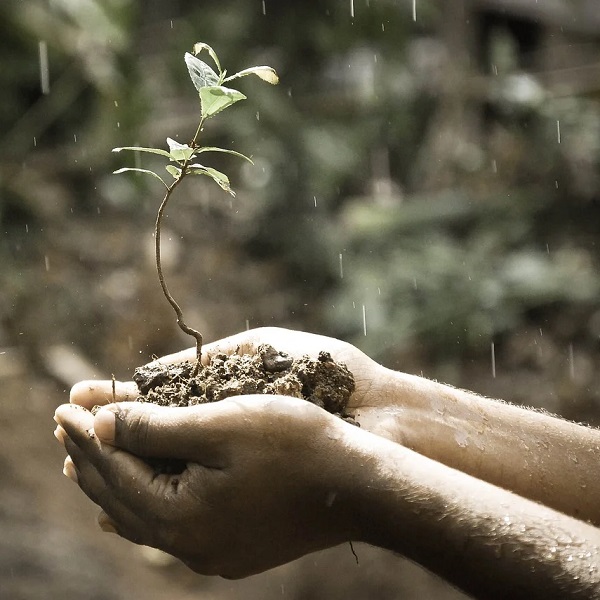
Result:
pixel 137 431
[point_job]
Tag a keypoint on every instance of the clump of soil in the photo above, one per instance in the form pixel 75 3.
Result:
pixel 323 382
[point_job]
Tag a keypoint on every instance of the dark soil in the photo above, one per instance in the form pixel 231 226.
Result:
pixel 323 382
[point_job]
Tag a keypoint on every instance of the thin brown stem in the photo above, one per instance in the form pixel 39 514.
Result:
pixel 157 252
pixel 163 284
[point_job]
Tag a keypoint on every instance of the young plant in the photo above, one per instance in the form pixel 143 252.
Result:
pixel 183 158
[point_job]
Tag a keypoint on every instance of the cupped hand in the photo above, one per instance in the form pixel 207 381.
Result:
pixel 371 379
pixel 266 478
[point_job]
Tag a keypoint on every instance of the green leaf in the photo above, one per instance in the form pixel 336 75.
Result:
pixel 219 178
pixel 173 170
pixel 213 149
pixel 199 46
pixel 201 74
pixel 179 152
pixel 124 170
pixel 138 149
pixel 265 73
pixel 214 99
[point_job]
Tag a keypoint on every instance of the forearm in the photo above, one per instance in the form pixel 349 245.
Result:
pixel 487 541
pixel 535 455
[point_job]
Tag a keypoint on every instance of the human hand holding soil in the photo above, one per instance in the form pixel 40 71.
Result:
pixel 371 379
pixel 253 464
pixel 269 478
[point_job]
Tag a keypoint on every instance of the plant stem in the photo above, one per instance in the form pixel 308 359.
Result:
pixel 163 284
pixel 157 252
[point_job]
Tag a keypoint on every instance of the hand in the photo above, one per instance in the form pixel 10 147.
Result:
pixel 366 403
pixel 266 478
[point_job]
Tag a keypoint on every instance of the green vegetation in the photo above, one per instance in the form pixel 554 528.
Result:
pixel 214 99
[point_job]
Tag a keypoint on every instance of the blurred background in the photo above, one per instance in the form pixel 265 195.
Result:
pixel 426 186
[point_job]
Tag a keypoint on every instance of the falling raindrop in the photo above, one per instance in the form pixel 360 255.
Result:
pixel 493 360
pixel 257 115
pixel 341 267
pixel 571 362
pixel 75 137
pixel 47 262
pixel 34 142
pixel 414 10
pixel 364 315
pixel 558 130
pixel 171 23
pixel 247 324
pixel 315 199
pixel 352 8
pixel 264 7
pixel 44 68
pixel 494 166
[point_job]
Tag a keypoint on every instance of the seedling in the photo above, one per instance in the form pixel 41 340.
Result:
pixel 183 158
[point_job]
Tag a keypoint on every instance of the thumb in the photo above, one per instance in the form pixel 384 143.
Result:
pixel 147 430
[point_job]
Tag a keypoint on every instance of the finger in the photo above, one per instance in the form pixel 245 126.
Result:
pixel 60 434
pixel 124 519
pixel 98 393
pixel 106 523
pixel 116 467
pixel 69 470
pixel 187 433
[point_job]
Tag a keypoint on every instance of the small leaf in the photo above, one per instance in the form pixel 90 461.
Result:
pixel 199 46
pixel 214 99
pixel 173 170
pixel 138 149
pixel 213 149
pixel 201 74
pixel 219 178
pixel 179 152
pixel 265 73
pixel 124 170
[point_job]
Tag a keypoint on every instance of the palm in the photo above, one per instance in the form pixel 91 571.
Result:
pixel 369 404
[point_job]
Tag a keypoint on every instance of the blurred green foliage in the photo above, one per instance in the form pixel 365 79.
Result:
pixel 456 189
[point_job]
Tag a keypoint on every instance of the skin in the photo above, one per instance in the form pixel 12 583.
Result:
pixel 497 499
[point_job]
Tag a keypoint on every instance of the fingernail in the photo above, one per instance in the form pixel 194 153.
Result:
pixel 104 425
pixel 60 434
pixel 69 469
